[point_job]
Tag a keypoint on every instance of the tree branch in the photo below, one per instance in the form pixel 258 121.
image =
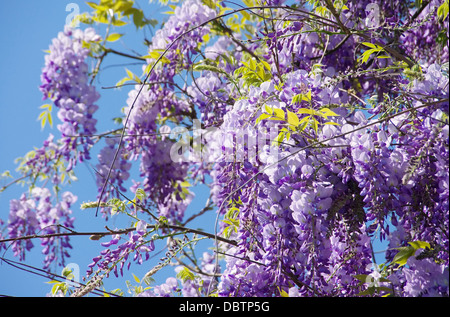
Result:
pixel 110 50
pixel 99 234
pixel 330 7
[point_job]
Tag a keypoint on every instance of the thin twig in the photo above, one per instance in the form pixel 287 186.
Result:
pixel 110 50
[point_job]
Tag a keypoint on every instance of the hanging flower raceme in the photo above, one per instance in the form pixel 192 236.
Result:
pixel 36 215
pixel 65 80
pixel 119 171
pixel 161 174
pixel 116 259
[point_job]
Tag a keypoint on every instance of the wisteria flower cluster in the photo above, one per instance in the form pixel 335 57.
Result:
pixel 317 128
pixel 65 80
pixel 35 214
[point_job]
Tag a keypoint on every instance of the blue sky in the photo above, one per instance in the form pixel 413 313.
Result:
pixel 26 30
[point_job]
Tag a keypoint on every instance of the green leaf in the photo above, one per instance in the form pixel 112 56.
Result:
pixel 59 286
pixel 374 49
pixel 46 106
pixel 283 293
pixel 6 174
pixel 156 54
pixel 366 55
pixel 266 65
pixel 306 111
pixel 361 277
pixel 124 6
pixel 239 71
pixel 304 122
pixel 403 255
pixel 46 115
pixel 208 68
pixel 185 274
pixel 67 273
pixel 292 119
pixel 384 289
pixel 442 11
pixel 114 37
pixel 136 278
pixel 384 280
pixel 252 64
pixel 185 184
pixel 373 289
pixel 41 115
pixel 297 98
pixel 288 136
pixel 116 22
pixel 420 245
pixel 130 74
pixel 300 97
pixel 49 119
pixel 52 282
pixel 268 109
pixel 281 136
pixel 55 288
pixel 227 232
pixel 278 113
pixel 123 81
pixel 101 19
pixel 314 124
pixel 406 252
pixel 260 71
pixel 138 18
pixel 371 45
pixel 43 121
pixel 308 96
pixel 262 117
pixel 328 113
pixel 369 291
pixel 93 5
